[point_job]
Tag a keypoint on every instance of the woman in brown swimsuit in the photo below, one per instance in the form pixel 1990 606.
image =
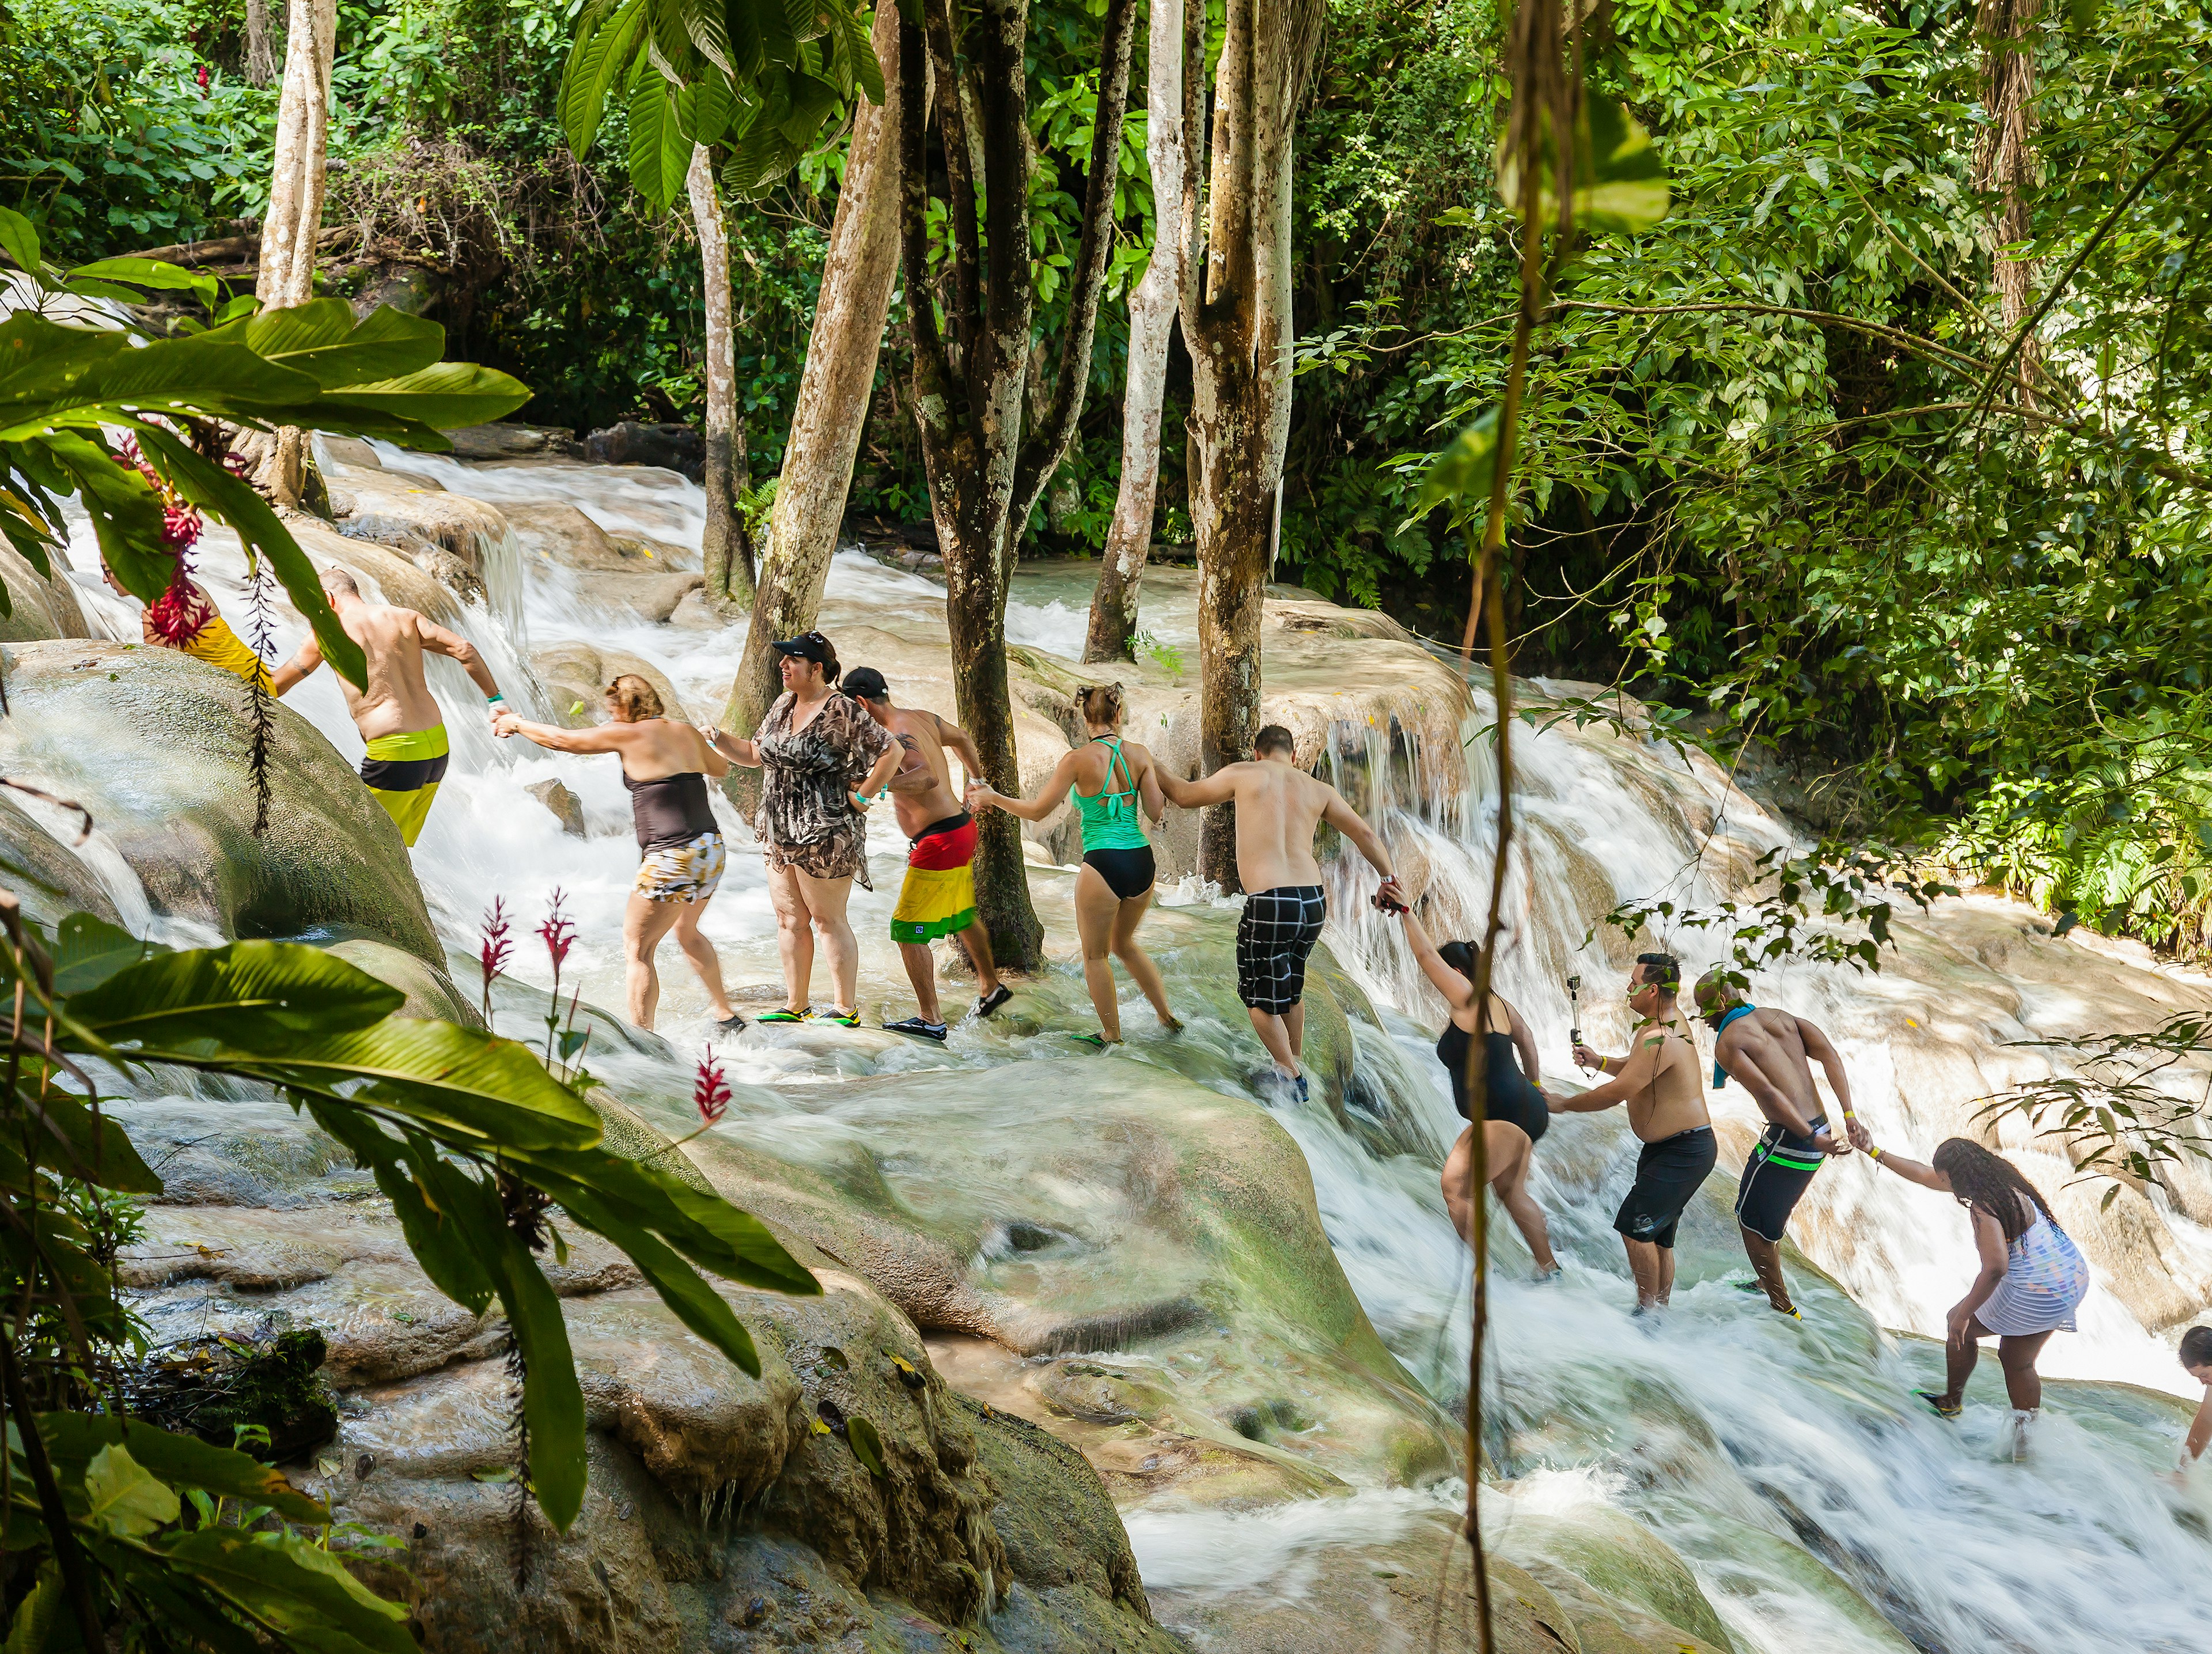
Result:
pixel 826 760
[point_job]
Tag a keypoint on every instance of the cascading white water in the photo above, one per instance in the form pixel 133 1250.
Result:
pixel 1768 1453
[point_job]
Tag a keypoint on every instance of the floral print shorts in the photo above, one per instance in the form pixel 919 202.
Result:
pixel 682 873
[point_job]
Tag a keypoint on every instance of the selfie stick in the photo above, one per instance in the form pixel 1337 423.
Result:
pixel 1575 1000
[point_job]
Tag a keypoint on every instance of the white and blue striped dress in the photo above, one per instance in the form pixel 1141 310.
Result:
pixel 2046 1279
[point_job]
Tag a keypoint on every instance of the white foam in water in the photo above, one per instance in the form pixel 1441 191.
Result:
pixel 1740 1438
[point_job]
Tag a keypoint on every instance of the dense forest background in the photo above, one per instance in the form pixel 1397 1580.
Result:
pixel 1884 450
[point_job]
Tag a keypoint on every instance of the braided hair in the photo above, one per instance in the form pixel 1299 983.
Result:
pixel 1985 1182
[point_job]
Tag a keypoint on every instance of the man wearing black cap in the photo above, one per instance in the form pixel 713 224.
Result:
pixel 938 896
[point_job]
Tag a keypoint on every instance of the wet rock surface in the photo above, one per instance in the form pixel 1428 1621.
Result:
pixel 155 744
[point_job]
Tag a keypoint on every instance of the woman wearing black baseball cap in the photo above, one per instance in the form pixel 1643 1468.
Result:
pixel 826 760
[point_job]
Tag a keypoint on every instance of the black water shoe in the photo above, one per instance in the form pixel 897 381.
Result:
pixel 990 1002
pixel 920 1028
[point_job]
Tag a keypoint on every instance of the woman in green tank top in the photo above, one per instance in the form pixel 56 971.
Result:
pixel 1112 779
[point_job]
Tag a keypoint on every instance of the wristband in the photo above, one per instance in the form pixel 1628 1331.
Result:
pixel 1850 1114
pixel 1876 1153
pixel 494 698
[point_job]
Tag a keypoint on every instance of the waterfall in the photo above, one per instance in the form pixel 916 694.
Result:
pixel 1777 1458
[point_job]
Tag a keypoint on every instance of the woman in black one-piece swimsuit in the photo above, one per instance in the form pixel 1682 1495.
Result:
pixel 1514 1112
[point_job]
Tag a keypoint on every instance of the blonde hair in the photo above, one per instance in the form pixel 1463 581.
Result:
pixel 1099 704
pixel 638 699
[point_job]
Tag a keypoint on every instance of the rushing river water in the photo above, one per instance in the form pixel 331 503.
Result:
pixel 1776 1458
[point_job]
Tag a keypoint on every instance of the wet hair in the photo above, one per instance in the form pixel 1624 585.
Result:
pixel 340 579
pixel 1461 957
pixel 1099 704
pixel 1662 968
pixel 1274 738
pixel 637 698
pixel 1982 1182
pixel 2197 1347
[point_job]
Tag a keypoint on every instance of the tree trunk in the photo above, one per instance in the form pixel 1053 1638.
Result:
pixel 728 553
pixel 980 374
pixel 1153 309
pixel 835 388
pixel 1236 326
pixel 295 205
pixel 2004 154
pixel 262 66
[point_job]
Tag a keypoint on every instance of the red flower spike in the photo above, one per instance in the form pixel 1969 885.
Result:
pixel 710 1091
pixel 558 932
pixel 498 944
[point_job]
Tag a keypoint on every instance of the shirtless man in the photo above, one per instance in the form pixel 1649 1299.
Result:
pixel 396 714
pixel 938 896
pixel 1277 807
pixel 1658 1080
pixel 1771 1052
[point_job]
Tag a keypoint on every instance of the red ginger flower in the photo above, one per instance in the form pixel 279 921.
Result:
pixel 558 932
pixel 710 1091
pixel 498 946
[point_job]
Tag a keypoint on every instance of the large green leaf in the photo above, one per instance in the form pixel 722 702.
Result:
pixel 705 1228
pixel 72 1440
pixel 144 272
pixel 322 338
pixel 704 108
pixel 19 240
pixel 696 1305
pixel 263 998
pixel 606 40
pixel 295 1589
pixel 213 488
pixel 1461 475
pixel 1620 183
pixel 89 1146
pixel 126 515
pixel 87 951
pixel 168 375
pixel 552 1402
pixel 122 1498
pixel 660 153
pixel 445 396
pixel 410 1174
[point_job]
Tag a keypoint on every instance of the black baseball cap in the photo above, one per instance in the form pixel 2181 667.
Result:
pixel 866 684
pixel 808 646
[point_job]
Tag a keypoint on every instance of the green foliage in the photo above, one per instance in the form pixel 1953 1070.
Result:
pixel 62 387
pixel 2131 1108
pixel 468 1135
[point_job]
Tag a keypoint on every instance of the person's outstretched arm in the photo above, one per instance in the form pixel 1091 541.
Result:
pixel 711 762
pixel 1348 821
pixel 1773 1102
pixel 554 739
pixel 301 665
pixel 736 748
pixel 1458 992
pixel 438 640
pixel 1638 1071
pixel 1219 787
pixel 1822 1051
pixel 878 780
pixel 1149 794
pixel 971 757
pixel 1912 1170
pixel 980 796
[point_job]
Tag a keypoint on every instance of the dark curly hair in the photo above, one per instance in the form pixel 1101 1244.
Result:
pixel 1985 1182
pixel 1664 969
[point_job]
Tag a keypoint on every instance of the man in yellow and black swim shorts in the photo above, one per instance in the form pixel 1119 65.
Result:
pixel 396 714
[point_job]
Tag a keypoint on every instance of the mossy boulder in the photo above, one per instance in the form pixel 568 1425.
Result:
pixel 158 747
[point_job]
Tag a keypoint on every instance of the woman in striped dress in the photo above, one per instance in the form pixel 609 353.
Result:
pixel 2032 1278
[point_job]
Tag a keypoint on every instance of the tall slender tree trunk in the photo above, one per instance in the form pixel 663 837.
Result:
pixel 834 389
pixel 287 276
pixel 2004 154
pixel 980 376
pixel 1236 325
pixel 262 66
pixel 728 552
pixel 1152 310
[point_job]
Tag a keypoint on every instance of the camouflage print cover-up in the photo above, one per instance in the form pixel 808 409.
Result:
pixel 806 819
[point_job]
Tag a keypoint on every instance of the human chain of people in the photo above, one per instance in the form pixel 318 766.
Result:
pixel 835 744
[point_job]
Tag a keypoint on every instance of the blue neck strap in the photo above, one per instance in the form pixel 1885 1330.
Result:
pixel 1720 1075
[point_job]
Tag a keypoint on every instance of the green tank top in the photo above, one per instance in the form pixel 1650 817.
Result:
pixel 1110 821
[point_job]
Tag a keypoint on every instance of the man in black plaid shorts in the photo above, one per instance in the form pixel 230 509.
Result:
pixel 1279 807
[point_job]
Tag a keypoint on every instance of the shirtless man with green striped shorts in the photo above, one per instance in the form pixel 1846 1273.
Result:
pixel 1771 1055
pixel 396 714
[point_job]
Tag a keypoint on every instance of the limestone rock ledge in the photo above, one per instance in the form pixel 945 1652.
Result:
pixel 724 1511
